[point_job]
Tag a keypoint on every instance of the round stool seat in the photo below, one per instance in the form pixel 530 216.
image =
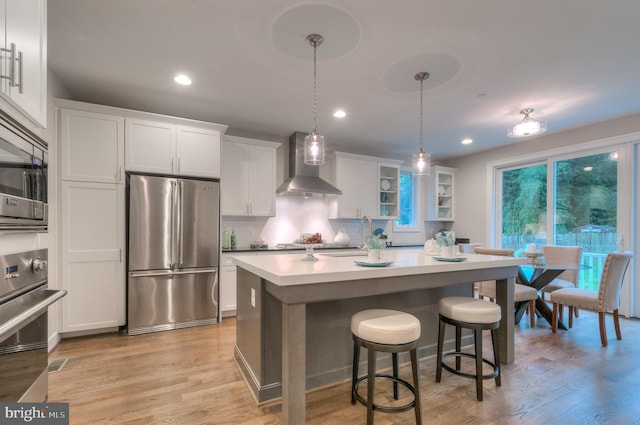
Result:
pixel 385 326
pixel 470 310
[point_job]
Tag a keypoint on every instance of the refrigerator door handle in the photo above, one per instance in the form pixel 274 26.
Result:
pixel 180 225
pixel 172 272
pixel 172 231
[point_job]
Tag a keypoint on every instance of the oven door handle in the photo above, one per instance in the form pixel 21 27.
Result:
pixel 34 308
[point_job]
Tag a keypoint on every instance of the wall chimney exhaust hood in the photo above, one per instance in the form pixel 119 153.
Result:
pixel 304 180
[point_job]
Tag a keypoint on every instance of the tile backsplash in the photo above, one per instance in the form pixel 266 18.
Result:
pixel 298 215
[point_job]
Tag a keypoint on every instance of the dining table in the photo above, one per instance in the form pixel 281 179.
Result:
pixel 538 274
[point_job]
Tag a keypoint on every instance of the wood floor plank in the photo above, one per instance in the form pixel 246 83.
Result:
pixel 189 377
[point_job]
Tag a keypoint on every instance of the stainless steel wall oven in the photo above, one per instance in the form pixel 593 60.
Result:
pixel 24 300
pixel 23 178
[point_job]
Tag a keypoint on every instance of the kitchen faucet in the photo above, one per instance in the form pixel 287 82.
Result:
pixel 362 221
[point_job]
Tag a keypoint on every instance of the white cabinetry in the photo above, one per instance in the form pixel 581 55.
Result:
pixel 93 267
pixel 248 182
pixel 92 223
pixel 164 148
pixel 92 146
pixel 228 283
pixel 357 179
pixel 23 24
pixel 441 194
pixel 94 141
pixel 360 178
pixel 388 191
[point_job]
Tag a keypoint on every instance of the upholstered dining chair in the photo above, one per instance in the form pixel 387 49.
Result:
pixel 522 293
pixel 468 248
pixel 562 255
pixel 606 298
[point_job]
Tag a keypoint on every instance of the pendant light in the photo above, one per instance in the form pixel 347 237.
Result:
pixel 421 161
pixel 528 126
pixel 314 142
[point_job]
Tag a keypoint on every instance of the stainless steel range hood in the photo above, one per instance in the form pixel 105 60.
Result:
pixel 303 179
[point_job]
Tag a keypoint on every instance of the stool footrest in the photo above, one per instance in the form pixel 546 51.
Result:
pixel 386 409
pixel 469 375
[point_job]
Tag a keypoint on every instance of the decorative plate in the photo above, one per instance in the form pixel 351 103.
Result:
pixel 385 184
pixel 441 190
pixel 450 259
pixel 368 264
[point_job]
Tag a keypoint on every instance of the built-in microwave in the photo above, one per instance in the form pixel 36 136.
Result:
pixel 23 178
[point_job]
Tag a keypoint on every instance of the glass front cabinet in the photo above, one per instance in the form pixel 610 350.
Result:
pixel 388 191
pixel 440 194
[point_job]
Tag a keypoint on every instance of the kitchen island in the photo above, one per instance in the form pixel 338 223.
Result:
pixel 293 319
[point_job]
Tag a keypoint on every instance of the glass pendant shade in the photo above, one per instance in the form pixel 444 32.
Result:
pixel 314 149
pixel 527 127
pixel 421 163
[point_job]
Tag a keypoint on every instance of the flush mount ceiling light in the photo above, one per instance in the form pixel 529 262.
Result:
pixel 421 160
pixel 314 142
pixel 467 141
pixel 339 113
pixel 182 79
pixel 528 126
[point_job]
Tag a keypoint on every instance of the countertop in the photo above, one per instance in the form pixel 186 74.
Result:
pixel 272 248
pixel 289 269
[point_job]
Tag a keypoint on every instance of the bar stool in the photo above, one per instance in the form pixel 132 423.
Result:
pixel 475 314
pixel 392 332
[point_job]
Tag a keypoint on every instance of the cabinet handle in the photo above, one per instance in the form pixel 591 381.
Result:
pixel 19 73
pixel 178 165
pixel 12 65
pixel 119 176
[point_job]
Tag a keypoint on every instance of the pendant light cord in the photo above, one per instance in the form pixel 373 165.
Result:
pixel 315 46
pixel 421 139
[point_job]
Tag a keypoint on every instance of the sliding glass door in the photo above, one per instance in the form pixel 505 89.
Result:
pixel 571 201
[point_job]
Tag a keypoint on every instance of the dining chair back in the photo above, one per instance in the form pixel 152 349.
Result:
pixel 607 298
pixel 468 248
pixel 564 256
pixel 494 251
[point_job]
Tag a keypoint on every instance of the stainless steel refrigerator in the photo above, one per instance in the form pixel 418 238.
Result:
pixel 173 253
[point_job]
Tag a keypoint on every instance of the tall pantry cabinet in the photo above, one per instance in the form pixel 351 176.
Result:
pixel 92 228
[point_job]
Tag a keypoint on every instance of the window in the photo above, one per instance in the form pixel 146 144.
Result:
pixel 407 220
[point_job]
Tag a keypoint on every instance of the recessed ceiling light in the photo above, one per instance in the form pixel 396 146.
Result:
pixel 467 141
pixel 339 113
pixel 182 79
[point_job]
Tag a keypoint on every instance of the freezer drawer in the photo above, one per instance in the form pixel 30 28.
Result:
pixel 164 301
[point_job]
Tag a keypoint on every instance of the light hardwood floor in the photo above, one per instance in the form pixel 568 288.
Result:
pixel 189 377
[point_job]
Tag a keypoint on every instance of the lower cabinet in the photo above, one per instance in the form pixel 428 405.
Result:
pixel 228 283
pixel 92 255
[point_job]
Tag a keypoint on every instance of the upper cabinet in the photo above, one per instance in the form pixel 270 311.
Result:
pixel 362 180
pixel 248 183
pixel 440 194
pixel 92 146
pixel 164 148
pixel 24 60
pixel 389 191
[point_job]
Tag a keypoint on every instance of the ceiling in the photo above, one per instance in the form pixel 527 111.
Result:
pixel 575 62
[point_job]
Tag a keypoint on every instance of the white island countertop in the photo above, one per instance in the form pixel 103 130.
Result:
pixel 289 269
